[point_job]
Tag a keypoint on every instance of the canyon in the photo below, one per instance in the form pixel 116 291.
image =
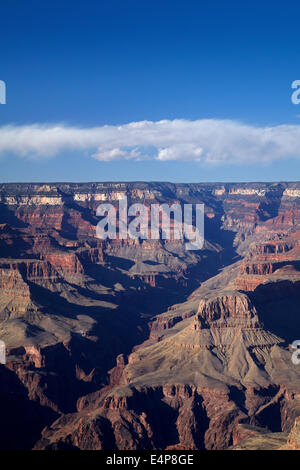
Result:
pixel 141 344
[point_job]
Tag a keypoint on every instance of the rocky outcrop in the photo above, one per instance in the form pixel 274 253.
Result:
pixel 293 440
pixel 231 308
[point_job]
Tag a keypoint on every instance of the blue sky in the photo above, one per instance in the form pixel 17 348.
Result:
pixel 76 66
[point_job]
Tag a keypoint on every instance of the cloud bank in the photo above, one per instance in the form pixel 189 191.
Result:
pixel 207 140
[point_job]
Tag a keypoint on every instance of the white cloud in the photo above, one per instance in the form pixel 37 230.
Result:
pixel 206 140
